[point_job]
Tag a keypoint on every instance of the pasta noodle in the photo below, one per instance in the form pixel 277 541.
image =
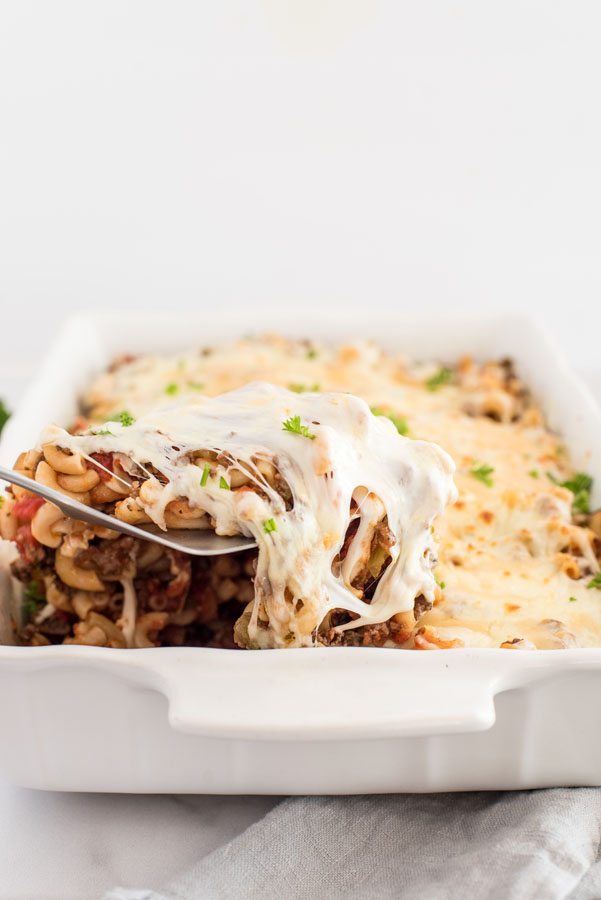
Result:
pixel 352 483
pixel 517 552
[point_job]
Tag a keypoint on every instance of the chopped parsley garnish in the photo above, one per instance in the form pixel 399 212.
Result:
pixel 34 593
pixel 205 474
pixel 573 599
pixel 443 376
pixel 441 584
pixel 482 473
pixel 580 482
pixel 197 385
pixel 223 484
pixel 4 415
pixel 399 422
pixel 35 598
pixel 533 473
pixel 311 353
pixel 126 418
pixel 29 608
pixel 1 502
pixel 172 388
pixel 270 525
pixel 293 424
pixel 580 485
pixel 104 431
pixel 301 388
pixel 581 502
pixel 596 582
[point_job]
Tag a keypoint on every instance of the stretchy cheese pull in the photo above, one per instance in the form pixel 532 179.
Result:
pixel 316 479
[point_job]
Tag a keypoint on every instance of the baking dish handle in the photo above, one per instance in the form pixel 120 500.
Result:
pixel 323 693
pixel 304 695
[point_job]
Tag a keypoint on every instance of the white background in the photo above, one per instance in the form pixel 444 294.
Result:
pixel 206 155
pixel 301 151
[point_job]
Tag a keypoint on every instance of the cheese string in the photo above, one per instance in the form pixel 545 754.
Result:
pixel 325 448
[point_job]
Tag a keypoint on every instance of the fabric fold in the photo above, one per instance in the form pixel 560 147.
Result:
pixel 527 844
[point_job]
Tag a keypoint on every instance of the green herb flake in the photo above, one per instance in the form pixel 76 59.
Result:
pixel 197 385
pixel 34 592
pixel 205 474
pixel 580 485
pixel 399 422
pixel 595 583
pixel 573 599
pixel 1 502
pixel 35 599
pixel 126 418
pixel 441 584
pixel 533 473
pixel 302 388
pixel 443 376
pixel 4 415
pixel 293 424
pixel 482 472
pixel 223 484
pixel 103 431
pixel 581 502
pixel 29 608
pixel 270 525
pixel 311 353
pixel 172 389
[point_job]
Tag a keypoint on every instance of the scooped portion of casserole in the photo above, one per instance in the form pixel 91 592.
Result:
pixel 340 505
pixel 518 551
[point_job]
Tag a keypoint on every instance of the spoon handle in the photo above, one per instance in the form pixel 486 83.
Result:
pixel 198 543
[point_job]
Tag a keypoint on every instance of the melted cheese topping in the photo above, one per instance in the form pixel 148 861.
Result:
pixel 514 565
pixel 346 454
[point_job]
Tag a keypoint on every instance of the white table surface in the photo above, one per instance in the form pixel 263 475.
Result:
pixel 313 152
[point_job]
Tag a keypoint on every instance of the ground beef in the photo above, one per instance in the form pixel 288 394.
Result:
pixel 31 571
pixel 283 489
pixel 54 628
pixel 351 531
pixel 420 607
pixel 365 636
pixel 383 537
pixel 109 559
pixel 364 580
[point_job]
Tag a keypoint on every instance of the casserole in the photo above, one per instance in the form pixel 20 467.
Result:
pixel 339 513
pixel 340 719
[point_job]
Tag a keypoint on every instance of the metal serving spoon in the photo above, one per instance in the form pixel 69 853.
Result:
pixel 195 542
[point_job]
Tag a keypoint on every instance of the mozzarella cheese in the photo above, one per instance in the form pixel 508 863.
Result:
pixel 339 462
pixel 514 565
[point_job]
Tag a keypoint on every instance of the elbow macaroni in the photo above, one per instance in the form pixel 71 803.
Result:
pixel 511 534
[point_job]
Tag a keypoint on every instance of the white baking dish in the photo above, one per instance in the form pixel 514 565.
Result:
pixel 328 720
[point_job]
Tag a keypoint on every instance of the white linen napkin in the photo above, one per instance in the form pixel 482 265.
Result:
pixel 518 845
